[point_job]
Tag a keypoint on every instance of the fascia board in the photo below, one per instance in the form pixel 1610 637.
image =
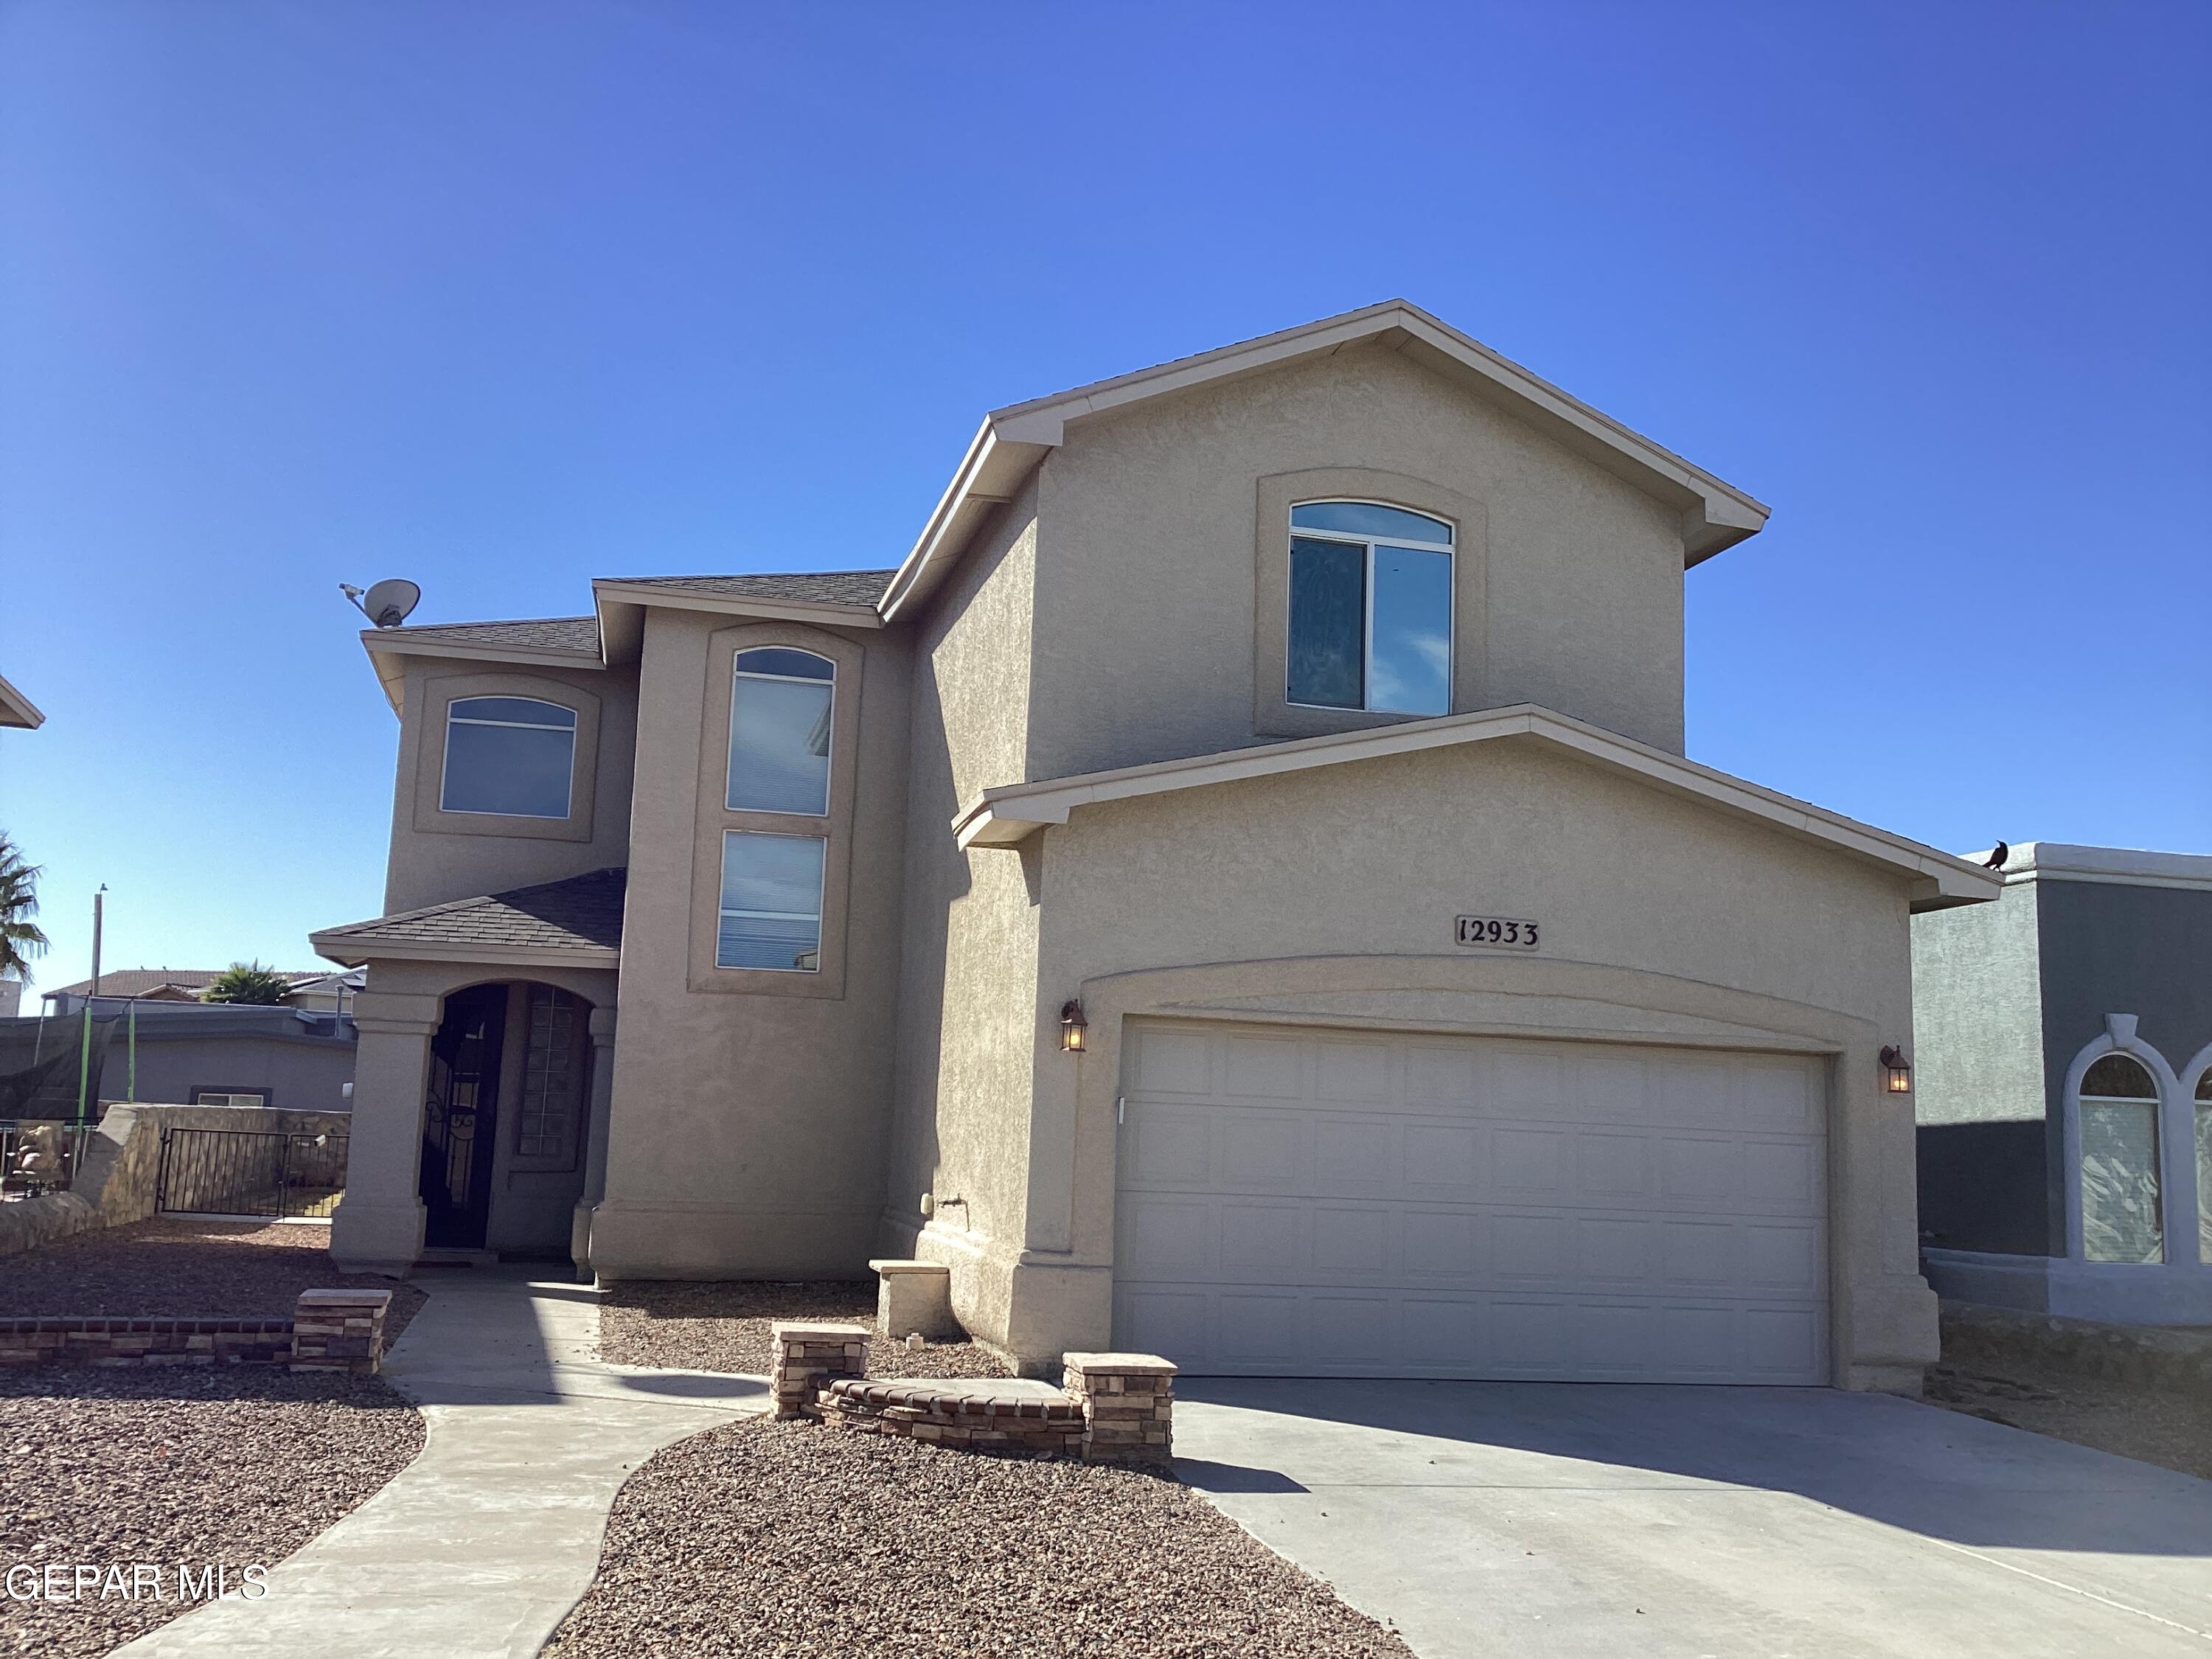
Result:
pixel 989 474
pixel 18 710
pixel 2115 866
pixel 723 605
pixel 1008 815
pixel 353 951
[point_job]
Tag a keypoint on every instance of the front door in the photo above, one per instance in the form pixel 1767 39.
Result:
pixel 460 1117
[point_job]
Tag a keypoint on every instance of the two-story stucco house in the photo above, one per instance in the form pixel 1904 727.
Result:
pixel 1235 889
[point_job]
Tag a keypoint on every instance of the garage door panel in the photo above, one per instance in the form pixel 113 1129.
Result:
pixel 1430 1207
pixel 1262 1068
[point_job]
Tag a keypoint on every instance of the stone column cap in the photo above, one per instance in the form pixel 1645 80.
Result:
pixel 811 1329
pixel 902 1264
pixel 348 1298
pixel 1122 1364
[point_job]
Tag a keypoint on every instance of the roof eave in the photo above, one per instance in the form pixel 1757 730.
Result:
pixel 17 710
pixel 1007 816
pixel 388 649
pixel 622 606
pixel 355 950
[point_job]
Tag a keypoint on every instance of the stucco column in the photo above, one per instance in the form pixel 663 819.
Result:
pixel 595 1156
pixel 379 1225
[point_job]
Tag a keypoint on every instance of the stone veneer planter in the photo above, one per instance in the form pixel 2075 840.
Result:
pixel 329 1330
pixel 1115 1408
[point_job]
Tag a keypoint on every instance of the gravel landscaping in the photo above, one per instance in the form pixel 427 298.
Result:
pixel 176 1466
pixel 765 1538
pixel 721 1325
pixel 2162 1425
pixel 180 1269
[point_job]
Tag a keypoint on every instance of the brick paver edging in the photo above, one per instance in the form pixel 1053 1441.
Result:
pixel 329 1330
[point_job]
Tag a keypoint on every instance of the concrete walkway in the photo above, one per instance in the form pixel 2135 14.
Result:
pixel 483 1544
pixel 1612 1521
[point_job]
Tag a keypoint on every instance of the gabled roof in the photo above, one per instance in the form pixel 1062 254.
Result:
pixel 839 599
pixel 16 709
pixel 1013 440
pixel 1009 815
pixel 577 922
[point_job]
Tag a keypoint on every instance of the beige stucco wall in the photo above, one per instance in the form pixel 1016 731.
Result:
pixel 969 985
pixel 748 1130
pixel 430 866
pixel 1330 894
pixel 1143 640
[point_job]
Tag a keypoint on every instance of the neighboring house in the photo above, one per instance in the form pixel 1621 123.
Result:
pixel 2064 1043
pixel 1234 891
pixel 309 989
pixel 184 1054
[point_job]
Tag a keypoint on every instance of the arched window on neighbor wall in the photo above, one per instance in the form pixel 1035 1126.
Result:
pixel 2204 1104
pixel 2120 1212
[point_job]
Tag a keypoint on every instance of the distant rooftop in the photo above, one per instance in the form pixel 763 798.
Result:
pixel 182 981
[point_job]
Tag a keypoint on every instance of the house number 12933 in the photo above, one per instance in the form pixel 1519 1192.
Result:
pixel 1506 932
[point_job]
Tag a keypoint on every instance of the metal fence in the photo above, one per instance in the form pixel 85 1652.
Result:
pixel 39 1158
pixel 250 1172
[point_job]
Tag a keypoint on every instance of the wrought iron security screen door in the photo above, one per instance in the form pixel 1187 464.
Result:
pixel 460 1117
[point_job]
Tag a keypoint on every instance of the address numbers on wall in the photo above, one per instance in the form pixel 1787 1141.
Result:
pixel 1498 932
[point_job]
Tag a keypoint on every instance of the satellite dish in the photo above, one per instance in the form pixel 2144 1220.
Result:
pixel 388 603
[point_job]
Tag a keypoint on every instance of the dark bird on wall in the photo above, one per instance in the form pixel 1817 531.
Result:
pixel 1998 854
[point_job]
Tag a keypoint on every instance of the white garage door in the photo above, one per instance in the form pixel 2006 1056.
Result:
pixel 1342 1205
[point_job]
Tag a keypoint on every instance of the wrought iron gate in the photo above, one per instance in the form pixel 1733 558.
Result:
pixel 250 1172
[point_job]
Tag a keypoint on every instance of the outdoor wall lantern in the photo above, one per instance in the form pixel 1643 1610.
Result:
pixel 1898 1072
pixel 1073 1026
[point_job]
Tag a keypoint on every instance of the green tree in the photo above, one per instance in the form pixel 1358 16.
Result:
pixel 19 939
pixel 247 981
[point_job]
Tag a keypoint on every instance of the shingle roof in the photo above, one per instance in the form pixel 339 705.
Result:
pixel 584 913
pixel 579 633
pixel 139 982
pixel 821 586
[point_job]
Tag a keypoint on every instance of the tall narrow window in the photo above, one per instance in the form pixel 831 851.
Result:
pixel 2204 1167
pixel 554 1065
pixel 780 703
pixel 771 912
pixel 1371 624
pixel 515 756
pixel 2120 1209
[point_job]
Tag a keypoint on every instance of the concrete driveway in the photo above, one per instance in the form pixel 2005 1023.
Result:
pixel 1564 1520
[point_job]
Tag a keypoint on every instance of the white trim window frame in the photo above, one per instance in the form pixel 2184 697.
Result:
pixel 828 681
pixel 724 911
pixel 2178 1197
pixel 1369 543
pixel 569 727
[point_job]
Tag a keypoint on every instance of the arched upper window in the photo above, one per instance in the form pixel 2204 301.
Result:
pixel 780 703
pixel 515 756
pixel 2204 1166
pixel 1371 624
pixel 2121 1218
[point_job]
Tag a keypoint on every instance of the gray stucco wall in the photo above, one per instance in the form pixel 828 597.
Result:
pixel 1977 1012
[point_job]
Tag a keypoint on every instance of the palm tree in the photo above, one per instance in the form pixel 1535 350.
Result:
pixel 19 939
pixel 249 982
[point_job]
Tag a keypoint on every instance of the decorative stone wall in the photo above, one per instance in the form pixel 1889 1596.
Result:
pixel 112 1342
pixel 331 1330
pixel 1002 1415
pixel 809 1356
pixel 1128 1405
pixel 339 1331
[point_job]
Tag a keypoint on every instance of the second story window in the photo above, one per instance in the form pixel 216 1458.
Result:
pixel 781 704
pixel 1370 609
pixel 515 757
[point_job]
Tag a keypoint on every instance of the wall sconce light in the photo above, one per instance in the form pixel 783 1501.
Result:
pixel 1898 1072
pixel 1073 1026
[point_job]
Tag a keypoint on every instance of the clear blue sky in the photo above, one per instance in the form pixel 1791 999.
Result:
pixel 504 296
